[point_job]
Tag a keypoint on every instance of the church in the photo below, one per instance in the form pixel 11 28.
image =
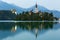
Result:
pixel 36 11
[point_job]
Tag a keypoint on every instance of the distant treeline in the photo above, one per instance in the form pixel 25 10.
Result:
pixel 40 16
pixel 26 16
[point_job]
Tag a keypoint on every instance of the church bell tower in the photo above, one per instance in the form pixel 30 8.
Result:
pixel 36 8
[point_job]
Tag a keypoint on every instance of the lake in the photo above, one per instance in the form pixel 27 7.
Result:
pixel 30 30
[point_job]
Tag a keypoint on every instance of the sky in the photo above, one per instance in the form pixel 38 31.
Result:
pixel 49 4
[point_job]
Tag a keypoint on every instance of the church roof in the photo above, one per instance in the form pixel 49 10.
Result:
pixel 36 5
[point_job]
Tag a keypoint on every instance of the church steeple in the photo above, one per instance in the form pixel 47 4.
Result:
pixel 36 5
pixel 36 8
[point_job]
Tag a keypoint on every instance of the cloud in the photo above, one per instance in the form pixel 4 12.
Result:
pixel 21 36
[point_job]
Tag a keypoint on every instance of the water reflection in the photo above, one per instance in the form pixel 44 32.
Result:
pixel 35 28
pixel 6 26
pixel 26 25
pixel 35 25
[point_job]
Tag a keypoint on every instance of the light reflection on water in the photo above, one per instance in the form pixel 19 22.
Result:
pixel 29 31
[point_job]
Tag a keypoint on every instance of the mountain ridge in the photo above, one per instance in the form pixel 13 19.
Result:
pixel 6 6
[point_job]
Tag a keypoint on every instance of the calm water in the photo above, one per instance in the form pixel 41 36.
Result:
pixel 29 31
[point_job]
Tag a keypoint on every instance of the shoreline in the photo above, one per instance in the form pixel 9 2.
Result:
pixel 25 21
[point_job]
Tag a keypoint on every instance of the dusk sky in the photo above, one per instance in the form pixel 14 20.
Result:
pixel 50 4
